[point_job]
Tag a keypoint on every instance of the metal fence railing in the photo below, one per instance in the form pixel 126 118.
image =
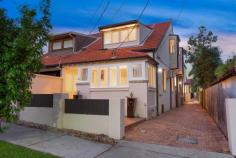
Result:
pixel 87 106
pixel 42 100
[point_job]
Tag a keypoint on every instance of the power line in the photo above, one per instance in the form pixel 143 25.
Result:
pixel 97 9
pixel 101 16
pixel 139 17
pixel 181 10
pixel 119 8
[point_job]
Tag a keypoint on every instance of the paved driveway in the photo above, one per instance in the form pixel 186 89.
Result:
pixel 188 126
pixel 73 147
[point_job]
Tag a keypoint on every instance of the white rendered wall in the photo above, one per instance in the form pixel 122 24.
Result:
pixel 97 124
pixel 231 125
pixel 40 115
pixel 116 118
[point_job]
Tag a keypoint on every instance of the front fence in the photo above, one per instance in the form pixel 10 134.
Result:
pixel 87 115
pixel 41 100
pixel 87 106
pixel 214 102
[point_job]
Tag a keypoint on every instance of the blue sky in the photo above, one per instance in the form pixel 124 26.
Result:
pixel 81 15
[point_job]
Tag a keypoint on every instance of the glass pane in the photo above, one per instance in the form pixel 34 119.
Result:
pixel 172 46
pixel 84 74
pixel 68 44
pixel 112 75
pixel 124 35
pixel 103 77
pixel 56 45
pixel 132 34
pixel 137 70
pixel 164 79
pixel 123 78
pixel 107 37
pixel 115 37
pixel 94 82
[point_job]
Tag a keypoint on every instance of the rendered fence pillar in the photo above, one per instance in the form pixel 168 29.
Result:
pixel 231 125
pixel 58 109
pixel 116 118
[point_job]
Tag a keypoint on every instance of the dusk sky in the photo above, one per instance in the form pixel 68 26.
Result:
pixel 82 15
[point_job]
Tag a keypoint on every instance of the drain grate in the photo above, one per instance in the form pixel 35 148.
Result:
pixel 187 139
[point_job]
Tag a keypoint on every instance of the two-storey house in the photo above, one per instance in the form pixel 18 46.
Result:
pixel 123 59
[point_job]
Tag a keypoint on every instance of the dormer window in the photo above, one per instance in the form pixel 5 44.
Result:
pixel 68 43
pixel 62 44
pixel 57 45
pixel 127 34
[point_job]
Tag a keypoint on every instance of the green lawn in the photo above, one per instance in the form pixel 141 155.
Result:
pixel 8 150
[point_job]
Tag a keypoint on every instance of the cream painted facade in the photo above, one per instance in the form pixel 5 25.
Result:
pixel 111 125
pixel 139 87
pixel 44 84
pixel 70 77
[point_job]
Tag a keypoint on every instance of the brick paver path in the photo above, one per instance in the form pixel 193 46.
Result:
pixel 189 121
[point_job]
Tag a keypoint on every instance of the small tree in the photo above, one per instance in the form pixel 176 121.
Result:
pixel 223 68
pixel 204 58
pixel 21 45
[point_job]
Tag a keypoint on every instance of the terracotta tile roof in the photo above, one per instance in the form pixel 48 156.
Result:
pixel 92 56
pixel 94 51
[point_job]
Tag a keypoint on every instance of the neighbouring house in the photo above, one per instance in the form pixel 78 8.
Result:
pixel 123 59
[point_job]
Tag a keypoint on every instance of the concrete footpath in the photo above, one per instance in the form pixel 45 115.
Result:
pixel 73 147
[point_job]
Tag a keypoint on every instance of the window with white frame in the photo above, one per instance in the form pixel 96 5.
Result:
pixel 151 76
pixel 115 36
pixel 123 75
pixel 113 76
pixel 120 35
pixel 56 45
pixel 172 46
pixel 83 74
pixel 137 70
pixel 164 79
pixel 103 77
pixel 132 34
pixel 107 37
pixel 68 43
pixel 94 77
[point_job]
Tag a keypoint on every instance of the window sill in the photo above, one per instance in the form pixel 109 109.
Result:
pixel 110 89
pixel 82 83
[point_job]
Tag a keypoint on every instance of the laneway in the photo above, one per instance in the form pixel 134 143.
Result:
pixel 188 126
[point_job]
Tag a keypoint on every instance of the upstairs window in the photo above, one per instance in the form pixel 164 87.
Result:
pixel 68 43
pixel 132 34
pixel 107 37
pixel 151 76
pixel 61 44
pixel 115 36
pixel 120 35
pixel 57 45
pixel 172 46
